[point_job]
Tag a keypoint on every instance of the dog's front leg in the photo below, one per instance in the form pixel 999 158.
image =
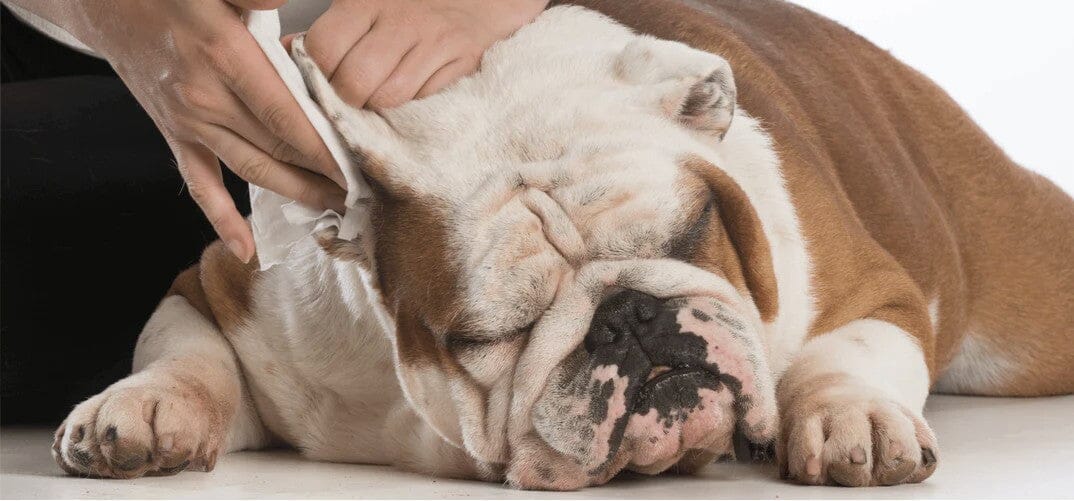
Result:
pixel 183 405
pixel 851 406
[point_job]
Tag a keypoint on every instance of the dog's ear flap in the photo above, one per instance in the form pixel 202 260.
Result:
pixel 443 394
pixel 709 104
pixel 694 87
pixel 419 367
pixel 377 149
pixel 746 235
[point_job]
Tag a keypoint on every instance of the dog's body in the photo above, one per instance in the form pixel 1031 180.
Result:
pixel 856 237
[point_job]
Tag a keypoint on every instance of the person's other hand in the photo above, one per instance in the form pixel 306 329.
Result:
pixel 214 95
pixel 383 53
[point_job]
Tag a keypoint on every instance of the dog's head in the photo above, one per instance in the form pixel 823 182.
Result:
pixel 576 285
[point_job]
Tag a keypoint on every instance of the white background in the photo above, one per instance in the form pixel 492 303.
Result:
pixel 1009 63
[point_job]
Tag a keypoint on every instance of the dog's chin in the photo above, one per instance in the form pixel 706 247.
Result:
pixel 666 427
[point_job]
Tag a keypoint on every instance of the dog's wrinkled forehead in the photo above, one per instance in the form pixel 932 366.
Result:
pixel 559 152
pixel 524 229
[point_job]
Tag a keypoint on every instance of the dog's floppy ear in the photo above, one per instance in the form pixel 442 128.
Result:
pixel 447 398
pixel 745 233
pixel 691 86
pixel 378 150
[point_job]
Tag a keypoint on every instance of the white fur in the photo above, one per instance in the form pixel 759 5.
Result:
pixel 748 157
pixel 873 353
pixel 977 368
pixel 318 366
pixel 176 330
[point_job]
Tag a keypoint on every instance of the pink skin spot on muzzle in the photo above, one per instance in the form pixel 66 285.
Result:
pixel 617 408
pixel 735 349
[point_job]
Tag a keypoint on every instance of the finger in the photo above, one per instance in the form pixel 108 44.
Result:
pixel 332 35
pixel 243 122
pixel 447 75
pixel 420 63
pixel 286 41
pixel 201 171
pixel 254 166
pixel 369 63
pixel 258 4
pixel 265 95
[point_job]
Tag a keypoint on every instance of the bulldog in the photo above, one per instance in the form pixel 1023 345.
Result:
pixel 606 251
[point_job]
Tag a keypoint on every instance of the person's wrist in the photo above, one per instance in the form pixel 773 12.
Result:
pixel 92 21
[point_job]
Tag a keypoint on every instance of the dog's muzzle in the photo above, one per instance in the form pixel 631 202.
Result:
pixel 657 382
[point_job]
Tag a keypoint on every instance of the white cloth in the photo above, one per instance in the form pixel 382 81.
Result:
pixel 279 222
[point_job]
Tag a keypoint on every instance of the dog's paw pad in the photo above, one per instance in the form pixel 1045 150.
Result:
pixel 143 426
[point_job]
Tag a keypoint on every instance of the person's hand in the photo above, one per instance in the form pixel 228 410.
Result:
pixel 383 53
pixel 212 92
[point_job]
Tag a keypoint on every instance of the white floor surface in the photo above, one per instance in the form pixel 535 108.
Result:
pixel 990 448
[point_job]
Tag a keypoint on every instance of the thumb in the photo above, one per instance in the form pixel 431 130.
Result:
pixel 287 39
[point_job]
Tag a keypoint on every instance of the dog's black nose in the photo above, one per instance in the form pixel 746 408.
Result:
pixel 632 321
pixel 620 316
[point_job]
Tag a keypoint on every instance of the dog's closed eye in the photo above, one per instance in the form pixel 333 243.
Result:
pixel 462 342
pixel 685 243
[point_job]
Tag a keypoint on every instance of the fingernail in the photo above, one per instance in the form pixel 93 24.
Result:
pixel 813 466
pixel 237 249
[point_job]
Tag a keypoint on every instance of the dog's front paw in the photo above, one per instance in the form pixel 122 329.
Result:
pixel 839 433
pixel 148 424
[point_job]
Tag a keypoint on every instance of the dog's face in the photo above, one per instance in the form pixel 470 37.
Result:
pixel 576 285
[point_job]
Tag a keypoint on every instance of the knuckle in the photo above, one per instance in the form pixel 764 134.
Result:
pixel 276 118
pixel 305 193
pixel 220 52
pixel 322 156
pixel 316 50
pixel 472 53
pixel 196 190
pixel 261 4
pixel 193 97
pixel 451 37
pixel 389 95
pixel 216 219
pixel 352 87
pixel 253 168
pixel 281 150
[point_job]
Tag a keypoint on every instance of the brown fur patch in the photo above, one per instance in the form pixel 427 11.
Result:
pixel 188 285
pixel 733 243
pixel 420 283
pixel 344 250
pixel 227 283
